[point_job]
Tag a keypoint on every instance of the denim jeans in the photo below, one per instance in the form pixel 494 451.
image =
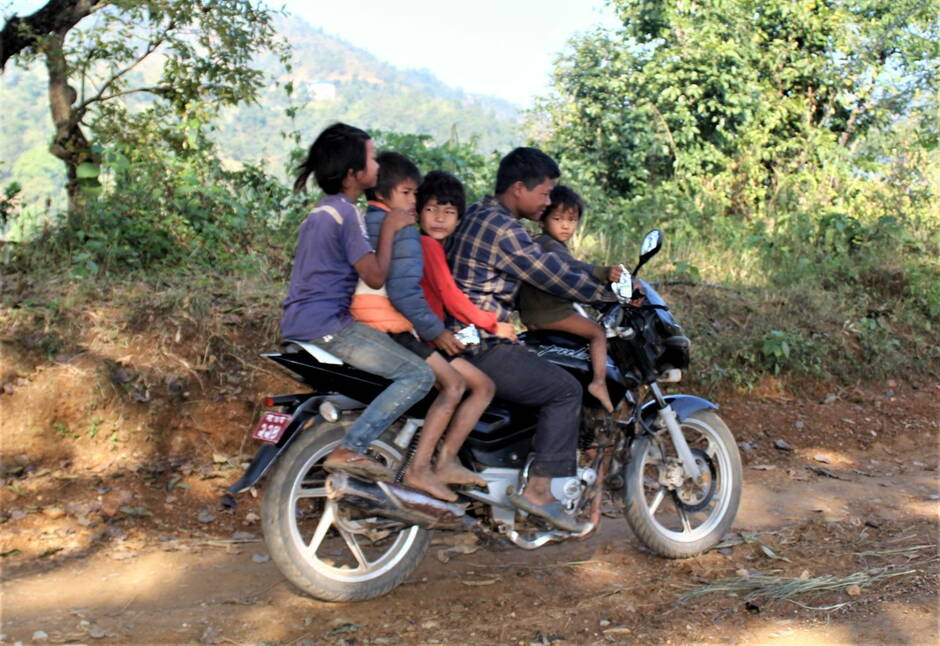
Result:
pixel 523 378
pixel 368 349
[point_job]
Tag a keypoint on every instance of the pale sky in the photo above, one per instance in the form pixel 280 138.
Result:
pixel 503 48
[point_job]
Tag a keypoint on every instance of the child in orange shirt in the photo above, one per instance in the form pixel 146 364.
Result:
pixel 450 415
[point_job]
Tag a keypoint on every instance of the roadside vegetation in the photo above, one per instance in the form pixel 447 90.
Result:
pixel 788 151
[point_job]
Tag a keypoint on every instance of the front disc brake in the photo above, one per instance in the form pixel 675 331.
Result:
pixel 692 496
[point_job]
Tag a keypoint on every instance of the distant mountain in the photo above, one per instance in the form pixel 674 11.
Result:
pixel 332 80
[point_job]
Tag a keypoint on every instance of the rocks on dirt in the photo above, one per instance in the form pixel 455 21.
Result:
pixel 260 557
pixel 53 512
pixel 40 637
pixel 205 516
pixel 210 636
pixel 783 445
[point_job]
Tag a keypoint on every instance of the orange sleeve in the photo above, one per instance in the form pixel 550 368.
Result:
pixel 442 282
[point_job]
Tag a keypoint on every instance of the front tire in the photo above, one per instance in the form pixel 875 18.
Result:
pixel 684 521
pixel 330 551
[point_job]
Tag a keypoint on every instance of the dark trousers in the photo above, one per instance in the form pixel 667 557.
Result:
pixel 523 378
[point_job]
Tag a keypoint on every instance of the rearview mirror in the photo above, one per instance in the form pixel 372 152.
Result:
pixel 652 243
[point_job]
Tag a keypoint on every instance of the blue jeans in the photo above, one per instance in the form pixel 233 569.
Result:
pixel 367 349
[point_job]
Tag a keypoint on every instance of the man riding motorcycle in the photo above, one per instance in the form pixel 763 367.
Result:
pixel 491 254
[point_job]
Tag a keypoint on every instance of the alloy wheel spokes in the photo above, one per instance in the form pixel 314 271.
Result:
pixel 684 517
pixel 326 521
pixel 657 499
pixel 310 492
pixel 356 550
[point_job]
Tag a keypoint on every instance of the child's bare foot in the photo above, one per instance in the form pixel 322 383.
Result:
pixel 452 472
pixel 599 390
pixel 427 481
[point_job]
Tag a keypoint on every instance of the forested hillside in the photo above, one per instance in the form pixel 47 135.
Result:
pixel 327 80
pixel 788 151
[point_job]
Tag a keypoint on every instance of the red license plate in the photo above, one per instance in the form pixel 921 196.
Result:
pixel 271 427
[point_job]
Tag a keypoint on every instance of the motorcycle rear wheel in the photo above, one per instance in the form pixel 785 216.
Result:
pixel 328 550
pixel 686 522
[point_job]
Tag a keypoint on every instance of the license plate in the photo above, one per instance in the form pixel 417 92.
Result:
pixel 271 426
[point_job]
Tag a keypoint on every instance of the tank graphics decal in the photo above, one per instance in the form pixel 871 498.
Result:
pixel 573 353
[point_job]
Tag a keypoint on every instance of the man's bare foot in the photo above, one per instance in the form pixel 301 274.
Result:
pixel 452 472
pixel 599 390
pixel 427 481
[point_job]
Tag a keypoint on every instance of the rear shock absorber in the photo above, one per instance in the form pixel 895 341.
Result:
pixel 409 456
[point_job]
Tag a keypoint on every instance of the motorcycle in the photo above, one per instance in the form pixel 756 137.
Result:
pixel 668 460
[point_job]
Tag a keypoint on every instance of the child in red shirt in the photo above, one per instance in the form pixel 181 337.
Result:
pixel 441 202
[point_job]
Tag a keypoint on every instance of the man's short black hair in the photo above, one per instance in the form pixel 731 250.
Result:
pixel 527 165
pixel 340 148
pixel 394 168
pixel 445 188
pixel 564 197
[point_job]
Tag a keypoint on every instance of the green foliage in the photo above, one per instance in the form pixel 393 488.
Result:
pixel 782 146
pixel 167 200
pixel 475 170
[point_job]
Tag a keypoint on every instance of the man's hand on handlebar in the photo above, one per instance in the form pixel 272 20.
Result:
pixel 639 294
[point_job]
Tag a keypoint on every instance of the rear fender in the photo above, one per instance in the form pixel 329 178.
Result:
pixel 268 454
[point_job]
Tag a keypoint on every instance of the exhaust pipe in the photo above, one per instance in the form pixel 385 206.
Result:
pixel 396 501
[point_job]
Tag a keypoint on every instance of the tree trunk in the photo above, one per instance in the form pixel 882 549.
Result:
pixel 22 33
pixel 70 144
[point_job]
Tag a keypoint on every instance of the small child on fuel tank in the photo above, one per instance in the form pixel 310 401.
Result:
pixel 540 310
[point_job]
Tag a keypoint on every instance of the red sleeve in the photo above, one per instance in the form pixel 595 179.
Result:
pixel 441 281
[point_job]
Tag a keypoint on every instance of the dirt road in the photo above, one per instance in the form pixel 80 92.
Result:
pixel 857 496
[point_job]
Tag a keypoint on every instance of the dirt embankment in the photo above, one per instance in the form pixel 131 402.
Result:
pixel 117 444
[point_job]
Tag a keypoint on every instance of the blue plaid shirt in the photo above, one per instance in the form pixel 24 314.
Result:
pixel 491 254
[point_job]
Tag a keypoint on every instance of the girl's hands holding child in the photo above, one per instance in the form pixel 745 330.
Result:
pixel 506 330
pixel 398 219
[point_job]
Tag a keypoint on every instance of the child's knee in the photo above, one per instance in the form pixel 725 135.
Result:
pixel 453 387
pixel 485 388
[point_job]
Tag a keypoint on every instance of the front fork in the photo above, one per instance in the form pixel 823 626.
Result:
pixel 671 421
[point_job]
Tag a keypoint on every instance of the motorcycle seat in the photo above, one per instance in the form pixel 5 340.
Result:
pixel 295 345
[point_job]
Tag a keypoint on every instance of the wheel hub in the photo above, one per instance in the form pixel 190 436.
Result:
pixel 695 494
pixel 671 474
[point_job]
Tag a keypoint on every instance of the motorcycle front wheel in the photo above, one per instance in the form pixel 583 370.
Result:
pixel 676 518
pixel 330 551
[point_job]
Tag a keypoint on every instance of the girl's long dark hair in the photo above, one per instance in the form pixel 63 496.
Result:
pixel 336 151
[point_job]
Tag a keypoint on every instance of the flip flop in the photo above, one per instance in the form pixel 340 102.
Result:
pixel 359 465
pixel 553 512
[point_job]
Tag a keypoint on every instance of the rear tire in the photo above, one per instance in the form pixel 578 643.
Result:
pixel 684 523
pixel 308 536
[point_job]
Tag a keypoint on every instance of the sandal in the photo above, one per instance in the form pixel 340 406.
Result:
pixel 552 511
pixel 357 464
